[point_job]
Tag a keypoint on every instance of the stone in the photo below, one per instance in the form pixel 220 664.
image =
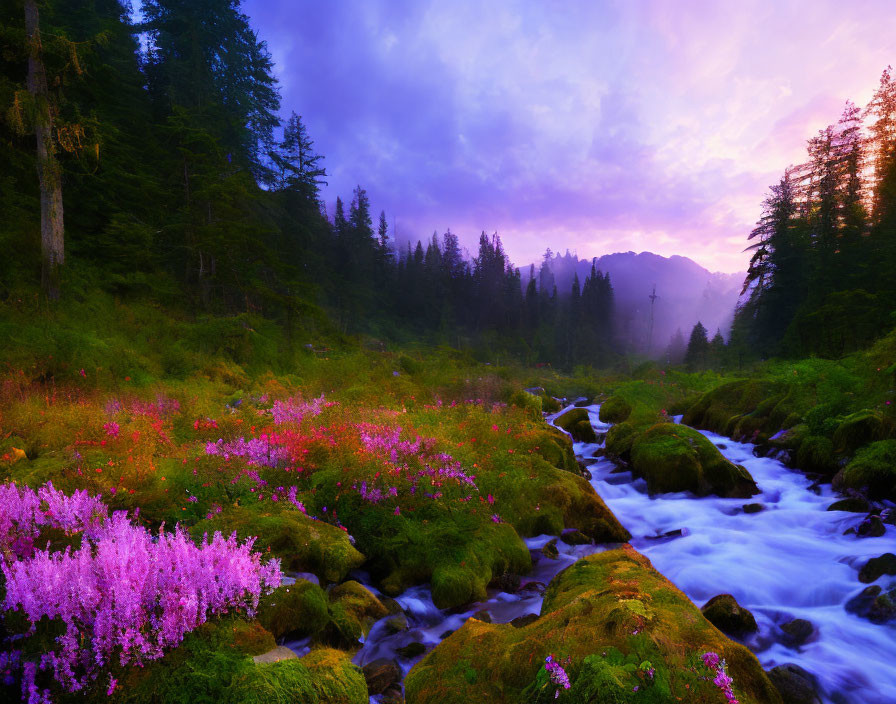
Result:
pixel 669 535
pixel 411 650
pixel 281 652
pixel 728 616
pixel 753 508
pixel 795 685
pixel 572 536
pixel 550 550
pixel 852 504
pixel 397 623
pixel 535 587
pixel 482 615
pixel 523 621
pixel 877 567
pixel 507 582
pixel 380 674
pixel 797 631
pixel 874 604
pixel 392 695
pixel 871 527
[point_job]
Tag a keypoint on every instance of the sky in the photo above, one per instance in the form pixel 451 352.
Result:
pixel 589 125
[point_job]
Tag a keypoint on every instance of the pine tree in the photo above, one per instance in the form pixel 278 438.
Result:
pixel 676 350
pixel 297 166
pixel 698 348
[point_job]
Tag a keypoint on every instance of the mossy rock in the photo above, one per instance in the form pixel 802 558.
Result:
pixel 678 458
pixel 572 423
pixel 457 554
pixel 608 613
pixel 583 431
pixel 556 448
pixel 322 677
pixel 549 404
pixel 816 454
pixel 299 609
pixel 302 544
pixel 615 410
pixel 582 508
pixel 874 469
pixel 201 669
pixel 353 610
pixel 852 504
pixel 857 430
pixel 724 408
pixel 529 402
pixel 728 616
pixel 620 439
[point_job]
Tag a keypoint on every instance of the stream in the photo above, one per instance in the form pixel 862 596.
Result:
pixel 790 560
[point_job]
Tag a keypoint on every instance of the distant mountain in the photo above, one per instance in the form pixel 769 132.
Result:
pixel 686 293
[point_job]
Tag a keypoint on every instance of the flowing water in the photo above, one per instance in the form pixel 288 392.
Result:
pixel 791 560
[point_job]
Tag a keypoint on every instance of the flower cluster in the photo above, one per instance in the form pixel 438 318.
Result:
pixel 557 674
pixel 721 680
pixel 125 595
pixel 258 451
pixel 296 410
pixel 24 512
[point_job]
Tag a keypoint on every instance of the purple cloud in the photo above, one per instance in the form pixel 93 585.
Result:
pixel 593 126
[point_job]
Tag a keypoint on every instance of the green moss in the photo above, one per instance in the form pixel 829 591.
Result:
pixel 816 454
pixel 620 439
pixel 583 431
pixel 874 468
pixel 614 617
pixel 615 410
pixel 299 608
pixel 858 429
pixel 678 458
pixel 724 408
pixel 531 403
pixel 303 545
pixel 556 448
pixel 321 677
pixel 576 422
pixel 353 610
pixel 201 669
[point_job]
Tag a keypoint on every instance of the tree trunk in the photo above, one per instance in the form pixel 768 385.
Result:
pixel 49 173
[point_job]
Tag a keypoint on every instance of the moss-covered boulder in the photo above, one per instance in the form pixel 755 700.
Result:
pixel 738 409
pixel 620 439
pixel 302 544
pixel 202 668
pixel 299 609
pixel 322 677
pixel 873 469
pixel 556 448
pixel 852 504
pixel 579 507
pixel 615 410
pixel 615 618
pixel 678 458
pixel 460 560
pixel 858 429
pixel 576 422
pixel 728 616
pixel 816 454
pixel 353 610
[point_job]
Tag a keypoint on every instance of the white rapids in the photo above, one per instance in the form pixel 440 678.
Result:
pixel 788 561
